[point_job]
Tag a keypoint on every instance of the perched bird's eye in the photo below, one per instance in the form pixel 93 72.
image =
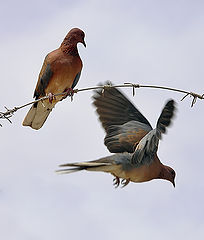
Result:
pixel 173 172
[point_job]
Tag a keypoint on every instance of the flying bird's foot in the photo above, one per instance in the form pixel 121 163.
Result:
pixel 125 182
pixel 116 181
pixel 50 97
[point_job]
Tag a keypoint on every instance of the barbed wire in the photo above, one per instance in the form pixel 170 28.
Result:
pixel 10 112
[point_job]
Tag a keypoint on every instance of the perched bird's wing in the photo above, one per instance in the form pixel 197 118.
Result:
pixel 76 79
pixel 122 121
pixel 43 79
pixel 147 147
pixel 39 111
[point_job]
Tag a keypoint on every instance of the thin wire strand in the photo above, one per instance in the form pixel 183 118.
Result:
pixel 10 112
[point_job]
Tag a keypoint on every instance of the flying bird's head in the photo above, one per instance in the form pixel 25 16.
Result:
pixel 168 173
pixel 74 36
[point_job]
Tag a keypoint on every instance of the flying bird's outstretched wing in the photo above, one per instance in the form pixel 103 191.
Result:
pixel 148 145
pixel 124 124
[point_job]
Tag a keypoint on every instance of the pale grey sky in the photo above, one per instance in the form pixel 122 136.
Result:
pixel 146 42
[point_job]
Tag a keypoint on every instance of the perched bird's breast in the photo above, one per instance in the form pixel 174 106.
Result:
pixel 64 71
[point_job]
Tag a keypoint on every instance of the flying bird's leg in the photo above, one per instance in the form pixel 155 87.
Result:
pixel 116 181
pixel 125 182
pixel 51 97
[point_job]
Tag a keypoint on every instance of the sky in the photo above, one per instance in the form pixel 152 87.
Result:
pixel 146 42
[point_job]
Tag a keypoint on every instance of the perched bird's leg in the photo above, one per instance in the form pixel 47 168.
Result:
pixel 51 97
pixel 125 182
pixel 116 181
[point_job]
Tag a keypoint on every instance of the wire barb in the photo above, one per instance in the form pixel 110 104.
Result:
pixel 133 87
pixel 105 87
pixel 8 114
pixel 195 97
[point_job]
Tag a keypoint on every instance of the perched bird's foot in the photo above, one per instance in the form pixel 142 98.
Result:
pixel 116 182
pixel 125 182
pixel 51 97
pixel 69 92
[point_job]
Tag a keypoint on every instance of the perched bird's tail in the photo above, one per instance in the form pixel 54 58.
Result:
pixel 38 114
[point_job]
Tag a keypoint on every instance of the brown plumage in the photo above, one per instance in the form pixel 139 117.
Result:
pixel 60 72
pixel 130 136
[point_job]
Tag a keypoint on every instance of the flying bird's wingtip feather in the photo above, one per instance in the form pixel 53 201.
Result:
pixel 166 116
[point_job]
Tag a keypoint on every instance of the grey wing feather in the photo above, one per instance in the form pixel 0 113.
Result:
pixel 148 146
pixel 146 149
pixel 124 138
pixel 165 117
pixel 114 108
pixel 122 121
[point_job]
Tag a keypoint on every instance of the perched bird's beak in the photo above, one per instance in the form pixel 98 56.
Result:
pixel 83 42
pixel 174 183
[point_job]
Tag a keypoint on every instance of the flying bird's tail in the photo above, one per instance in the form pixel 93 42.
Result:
pixel 38 114
pixel 98 165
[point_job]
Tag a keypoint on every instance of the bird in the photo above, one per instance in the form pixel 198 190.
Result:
pixel 131 139
pixel 60 73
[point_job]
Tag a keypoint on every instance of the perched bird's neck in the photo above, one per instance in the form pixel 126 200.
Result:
pixel 69 48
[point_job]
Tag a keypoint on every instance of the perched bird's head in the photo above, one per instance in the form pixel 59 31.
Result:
pixel 74 36
pixel 168 173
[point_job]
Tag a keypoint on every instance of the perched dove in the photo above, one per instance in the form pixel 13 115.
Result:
pixel 60 73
